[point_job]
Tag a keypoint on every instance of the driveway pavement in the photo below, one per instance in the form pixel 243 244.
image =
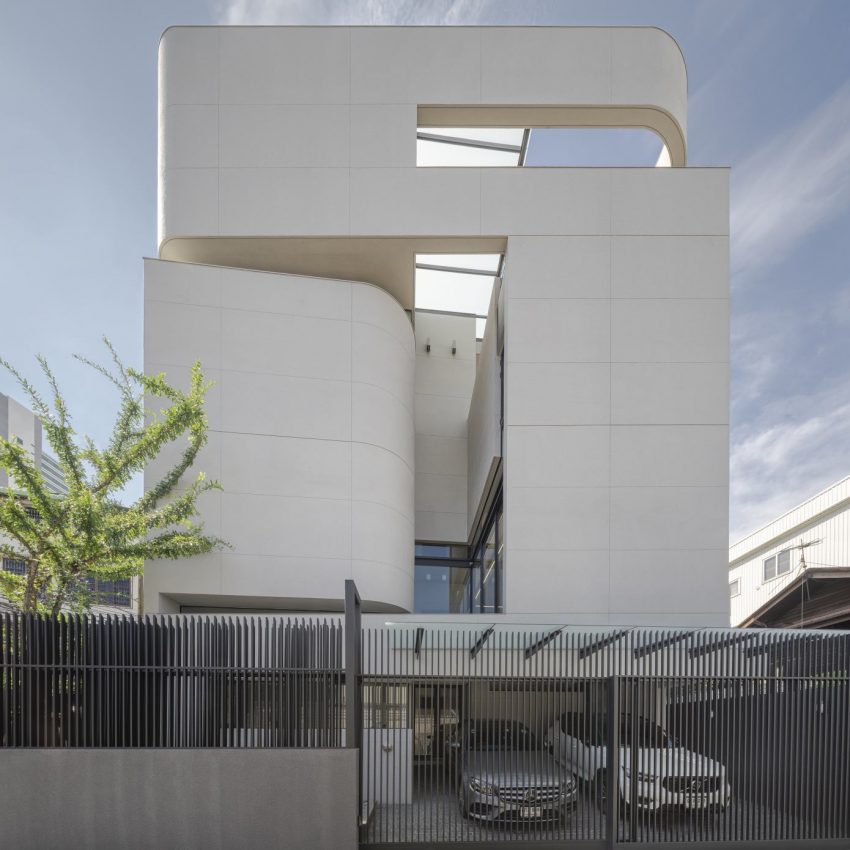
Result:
pixel 435 816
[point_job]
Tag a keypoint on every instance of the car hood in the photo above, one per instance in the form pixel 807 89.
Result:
pixel 511 769
pixel 672 762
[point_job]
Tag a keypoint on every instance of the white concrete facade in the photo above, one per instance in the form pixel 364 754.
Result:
pixel 821 524
pixel 311 426
pixel 293 151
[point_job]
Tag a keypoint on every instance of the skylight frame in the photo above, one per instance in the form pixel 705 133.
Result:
pixel 465 137
pixel 465 269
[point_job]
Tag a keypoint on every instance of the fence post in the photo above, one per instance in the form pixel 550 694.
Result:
pixel 612 762
pixel 353 714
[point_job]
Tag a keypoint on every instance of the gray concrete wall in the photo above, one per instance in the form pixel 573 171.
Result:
pixel 181 799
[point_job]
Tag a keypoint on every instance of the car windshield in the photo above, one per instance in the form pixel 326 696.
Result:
pixel 498 736
pixel 644 733
pixel 593 730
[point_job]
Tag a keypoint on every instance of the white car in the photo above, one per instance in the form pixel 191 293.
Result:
pixel 666 775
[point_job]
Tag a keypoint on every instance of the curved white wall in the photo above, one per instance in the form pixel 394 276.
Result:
pixel 309 131
pixel 311 436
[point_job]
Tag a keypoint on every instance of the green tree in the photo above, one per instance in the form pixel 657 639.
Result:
pixel 88 533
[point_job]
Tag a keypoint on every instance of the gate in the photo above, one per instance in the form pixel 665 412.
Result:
pixel 501 733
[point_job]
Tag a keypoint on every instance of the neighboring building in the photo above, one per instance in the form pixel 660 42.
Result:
pixel 19 423
pixel 795 571
pixel 569 458
pixel 53 475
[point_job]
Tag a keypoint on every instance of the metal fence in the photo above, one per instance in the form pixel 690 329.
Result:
pixel 503 733
pixel 472 733
pixel 115 681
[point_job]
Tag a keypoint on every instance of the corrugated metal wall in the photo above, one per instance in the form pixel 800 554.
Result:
pixel 826 518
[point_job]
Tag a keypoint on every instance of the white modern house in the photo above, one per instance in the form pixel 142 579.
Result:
pixel 560 451
pixel 795 571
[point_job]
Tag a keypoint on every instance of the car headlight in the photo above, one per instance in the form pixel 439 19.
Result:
pixel 482 787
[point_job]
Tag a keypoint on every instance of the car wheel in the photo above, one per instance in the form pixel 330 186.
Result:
pixel 461 804
pixel 600 789
pixel 600 793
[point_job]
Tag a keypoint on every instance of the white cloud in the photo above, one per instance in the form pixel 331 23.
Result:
pixel 792 186
pixel 778 466
pixel 256 12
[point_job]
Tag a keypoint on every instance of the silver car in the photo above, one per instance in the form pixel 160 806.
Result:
pixel 504 775
pixel 666 774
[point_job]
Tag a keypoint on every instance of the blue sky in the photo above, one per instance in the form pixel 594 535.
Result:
pixel 769 95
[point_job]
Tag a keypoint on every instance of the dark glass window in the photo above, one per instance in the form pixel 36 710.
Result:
pixel 489 564
pixel 16 566
pixel 450 580
pixel 441 589
pixel 108 591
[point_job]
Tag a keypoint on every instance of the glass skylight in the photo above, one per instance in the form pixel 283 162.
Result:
pixel 469 147
pixel 576 147
pixel 457 283
pixel 589 147
pixel 481 263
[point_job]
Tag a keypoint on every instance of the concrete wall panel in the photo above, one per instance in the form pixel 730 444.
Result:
pixel 670 393
pixel 283 65
pixel 561 266
pixel 670 330
pixel 582 397
pixel 283 136
pixel 444 385
pixel 550 330
pixel 181 799
pixel 430 65
pixel 545 65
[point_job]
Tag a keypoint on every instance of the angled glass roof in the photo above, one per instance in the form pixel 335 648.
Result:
pixel 575 147
pixel 463 283
pixel 591 147
pixel 457 283
pixel 471 147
